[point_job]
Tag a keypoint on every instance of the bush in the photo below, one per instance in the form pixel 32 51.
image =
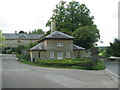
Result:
pixel 8 51
pixel 85 63
pixel 19 49
pixel 12 52
pixel 23 57
pixel 79 63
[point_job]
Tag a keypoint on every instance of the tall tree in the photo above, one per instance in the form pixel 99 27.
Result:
pixel 114 49
pixel 70 16
pixel 85 36
pixel 75 19
pixel 22 32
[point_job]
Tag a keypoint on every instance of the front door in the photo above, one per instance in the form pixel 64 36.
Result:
pixel 60 55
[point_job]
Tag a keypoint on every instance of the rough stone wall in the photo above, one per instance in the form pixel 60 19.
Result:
pixel 52 47
pixel 15 42
pixel 35 55
pixel 80 53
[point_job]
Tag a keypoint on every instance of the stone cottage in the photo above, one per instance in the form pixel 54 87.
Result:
pixel 57 45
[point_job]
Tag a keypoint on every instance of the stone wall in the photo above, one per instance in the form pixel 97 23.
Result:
pixel 15 42
pixel 35 55
pixel 80 53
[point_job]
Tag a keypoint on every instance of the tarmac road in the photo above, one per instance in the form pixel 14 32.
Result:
pixel 112 67
pixel 18 75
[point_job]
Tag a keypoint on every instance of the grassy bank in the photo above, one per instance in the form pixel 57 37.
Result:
pixel 81 63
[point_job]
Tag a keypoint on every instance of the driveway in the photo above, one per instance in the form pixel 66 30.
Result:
pixel 18 75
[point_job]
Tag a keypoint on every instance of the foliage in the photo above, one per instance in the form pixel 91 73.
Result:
pixel 83 63
pixel 22 32
pixel 8 50
pixel 23 57
pixel 37 31
pixel 86 36
pixel 104 54
pixel 79 63
pixel 114 49
pixel 70 16
pixel 30 45
pixel 19 49
pixel 75 19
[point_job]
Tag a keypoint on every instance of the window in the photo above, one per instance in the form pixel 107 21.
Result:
pixel 51 54
pixel 60 55
pixel 39 54
pixel 60 44
pixel 67 54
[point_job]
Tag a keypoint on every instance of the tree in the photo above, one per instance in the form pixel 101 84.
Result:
pixel 19 49
pixel 114 49
pixel 1 39
pixel 86 36
pixel 71 16
pixel 22 32
pixel 37 31
pixel 75 19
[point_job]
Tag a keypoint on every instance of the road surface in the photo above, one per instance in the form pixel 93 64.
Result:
pixel 112 67
pixel 18 75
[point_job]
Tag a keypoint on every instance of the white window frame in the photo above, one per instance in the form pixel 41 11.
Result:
pixel 60 55
pixel 67 54
pixel 51 54
pixel 60 44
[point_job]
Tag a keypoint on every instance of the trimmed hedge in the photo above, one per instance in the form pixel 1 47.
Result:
pixel 85 63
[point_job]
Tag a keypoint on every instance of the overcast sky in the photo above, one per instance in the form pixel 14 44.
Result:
pixel 27 15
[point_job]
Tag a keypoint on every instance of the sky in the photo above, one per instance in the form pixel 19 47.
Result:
pixel 27 15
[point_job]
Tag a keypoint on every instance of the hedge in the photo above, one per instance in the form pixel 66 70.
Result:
pixel 88 64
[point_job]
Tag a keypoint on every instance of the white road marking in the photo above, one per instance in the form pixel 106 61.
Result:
pixel 113 73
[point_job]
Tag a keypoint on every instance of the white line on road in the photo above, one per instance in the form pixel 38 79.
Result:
pixel 113 73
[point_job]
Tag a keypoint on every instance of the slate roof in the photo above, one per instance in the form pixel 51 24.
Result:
pixel 75 47
pixel 41 46
pixel 57 35
pixel 22 36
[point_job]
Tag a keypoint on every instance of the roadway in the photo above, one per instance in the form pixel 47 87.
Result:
pixel 18 75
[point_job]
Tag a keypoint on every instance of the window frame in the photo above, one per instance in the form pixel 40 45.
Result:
pixel 60 55
pixel 67 54
pixel 60 44
pixel 52 55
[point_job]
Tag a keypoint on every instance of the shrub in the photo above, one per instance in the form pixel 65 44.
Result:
pixel 23 57
pixel 19 49
pixel 12 52
pixel 82 63
pixel 8 51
